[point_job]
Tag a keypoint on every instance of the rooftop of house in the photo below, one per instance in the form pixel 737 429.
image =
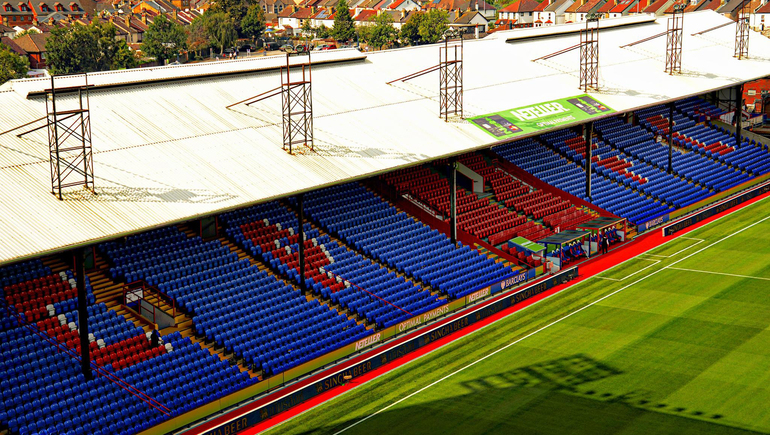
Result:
pixel 16 48
pixel 553 7
pixel 33 42
pixel 590 5
pixel 521 6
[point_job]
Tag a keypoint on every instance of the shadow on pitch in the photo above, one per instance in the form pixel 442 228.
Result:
pixel 545 398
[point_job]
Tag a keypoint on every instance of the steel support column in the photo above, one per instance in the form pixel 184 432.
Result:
pixel 80 277
pixel 670 136
pixel 587 133
pixel 453 200
pixel 738 112
pixel 301 232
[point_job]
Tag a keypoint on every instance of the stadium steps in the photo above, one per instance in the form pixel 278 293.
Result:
pixel 104 289
pixel 55 263
pixel 262 266
pixel 244 255
pixel 487 253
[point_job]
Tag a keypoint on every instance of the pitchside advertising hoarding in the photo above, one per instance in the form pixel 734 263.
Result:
pixel 651 223
pixel 549 114
pixel 715 210
pixel 379 360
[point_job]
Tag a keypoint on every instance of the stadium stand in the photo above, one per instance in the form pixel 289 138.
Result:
pixel 496 218
pixel 480 217
pixel 49 394
pixel 245 310
pixel 375 228
pixel 630 165
pixel 535 158
pixel 332 271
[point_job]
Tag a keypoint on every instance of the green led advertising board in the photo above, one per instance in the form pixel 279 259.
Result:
pixel 545 115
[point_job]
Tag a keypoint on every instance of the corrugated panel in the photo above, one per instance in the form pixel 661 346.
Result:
pixel 166 152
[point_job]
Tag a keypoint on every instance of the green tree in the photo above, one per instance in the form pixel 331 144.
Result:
pixel 12 66
pixel 197 36
pixel 87 48
pixel 410 31
pixel 433 26
pixel 364 33
pixel 307 28
pixel 236 10
pixel 253 24
pixel 220 30
pixel 322 32
pixel 124 58
pixel 382 32
pixel 164 39
pixel 343 28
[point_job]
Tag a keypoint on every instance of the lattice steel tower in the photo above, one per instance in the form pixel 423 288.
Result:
pixel 742 31
pixel 589 54
pixel 450 74
pixel 69 140
pixel 674 40
pixel 297 105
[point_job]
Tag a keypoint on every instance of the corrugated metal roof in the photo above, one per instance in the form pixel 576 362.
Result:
pixel 171 151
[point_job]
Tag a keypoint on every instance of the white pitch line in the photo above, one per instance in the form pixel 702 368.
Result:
pixel 653 255
pixel 547 326
pixel 682 250
pixel 629 276
pixel 719 273
pixel 699 241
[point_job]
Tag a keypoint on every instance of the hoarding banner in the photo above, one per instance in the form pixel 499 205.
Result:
pixel 711 211
pixel 651 223
pixel 549 114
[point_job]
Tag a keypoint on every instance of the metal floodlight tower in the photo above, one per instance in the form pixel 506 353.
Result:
pixel 450 68
pixel 297 105
pixel 674 40
pixel 589 54
pixel 296 93
pixel 450 73
pixel 69 140
pixel 742 31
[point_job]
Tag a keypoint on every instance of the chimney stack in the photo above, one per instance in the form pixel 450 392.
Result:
pixel 175 16
pixel 403 14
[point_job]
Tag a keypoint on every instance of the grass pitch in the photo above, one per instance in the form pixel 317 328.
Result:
pixel 664 343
